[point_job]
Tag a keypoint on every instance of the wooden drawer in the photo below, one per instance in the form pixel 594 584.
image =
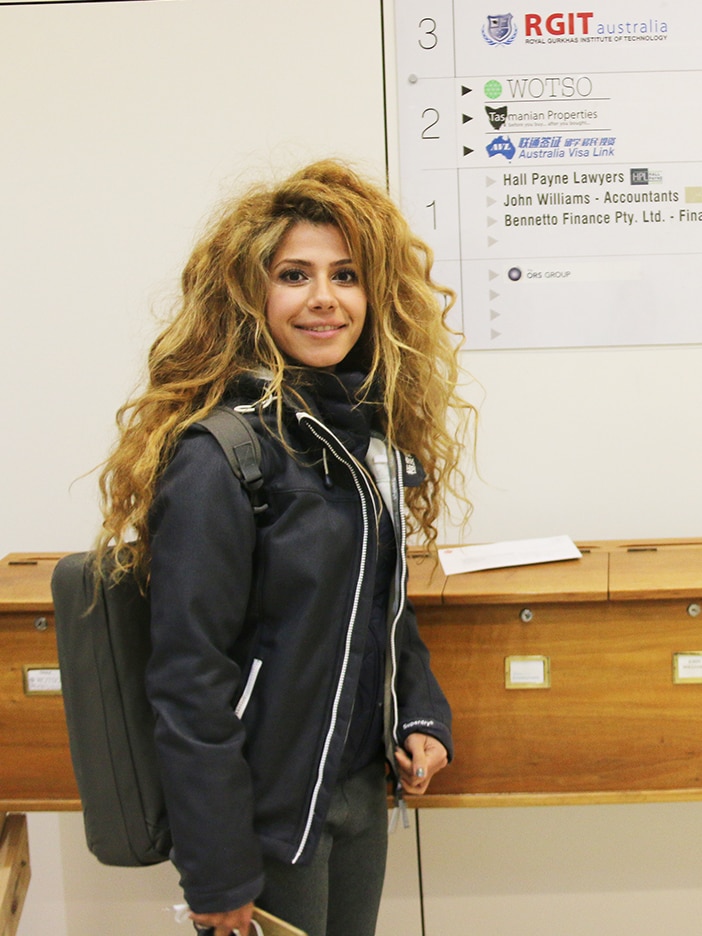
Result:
pixel 35 765
pixel 613 724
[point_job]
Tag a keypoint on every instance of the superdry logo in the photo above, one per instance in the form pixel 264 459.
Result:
pixel 410 464
pixel 500 29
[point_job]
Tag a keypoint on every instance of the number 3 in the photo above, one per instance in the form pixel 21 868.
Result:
pixel 428 32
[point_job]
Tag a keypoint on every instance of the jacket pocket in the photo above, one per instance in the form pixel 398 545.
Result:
pixel 248 688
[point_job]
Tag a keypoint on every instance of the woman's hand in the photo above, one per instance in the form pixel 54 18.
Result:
pixel 225 923
pixel 422 757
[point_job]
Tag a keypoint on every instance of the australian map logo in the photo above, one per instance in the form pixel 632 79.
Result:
pixel 501 146
pixel 500 29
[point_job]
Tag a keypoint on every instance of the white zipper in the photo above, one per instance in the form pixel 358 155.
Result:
pixel 382 467
pixel 352 622
pixel 248 688
pixel 402 559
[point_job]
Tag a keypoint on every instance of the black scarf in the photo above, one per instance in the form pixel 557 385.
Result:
pixel 335 395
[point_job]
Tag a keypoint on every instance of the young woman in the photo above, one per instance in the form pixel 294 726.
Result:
pixel 287 675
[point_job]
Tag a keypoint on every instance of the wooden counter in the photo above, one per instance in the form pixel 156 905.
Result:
pixel 616 635
pixel 613 725
pixel 35 763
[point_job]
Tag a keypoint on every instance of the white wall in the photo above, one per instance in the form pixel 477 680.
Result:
pixel 122 124
pixel 626 870
pixel 599 444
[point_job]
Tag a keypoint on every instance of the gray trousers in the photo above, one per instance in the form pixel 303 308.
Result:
pixel 338 894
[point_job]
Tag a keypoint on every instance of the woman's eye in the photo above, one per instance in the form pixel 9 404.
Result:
pixel 292 276
pixel 346 276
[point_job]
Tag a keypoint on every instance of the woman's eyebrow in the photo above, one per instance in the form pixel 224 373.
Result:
pixel 295 260
pixel 346 261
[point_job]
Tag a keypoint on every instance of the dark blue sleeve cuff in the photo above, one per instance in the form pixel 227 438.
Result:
pixel 428 726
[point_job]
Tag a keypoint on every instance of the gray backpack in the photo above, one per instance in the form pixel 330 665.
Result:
pixel 104 646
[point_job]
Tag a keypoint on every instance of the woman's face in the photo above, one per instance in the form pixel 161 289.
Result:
pixel 316 307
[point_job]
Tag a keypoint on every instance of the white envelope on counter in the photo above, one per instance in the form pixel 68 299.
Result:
pixel 457 559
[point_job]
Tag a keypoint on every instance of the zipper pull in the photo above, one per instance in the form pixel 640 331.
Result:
pixel 399 810
pixel 328 483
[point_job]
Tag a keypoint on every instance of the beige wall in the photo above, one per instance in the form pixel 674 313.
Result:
pixel 122 124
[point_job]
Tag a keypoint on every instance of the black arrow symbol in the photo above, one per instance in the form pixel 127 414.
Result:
pixel 466 118
pixel 465 90
pixel 467 150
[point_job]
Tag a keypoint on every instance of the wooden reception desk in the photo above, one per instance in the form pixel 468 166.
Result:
pixel 570 682
pixel 573 682
pixel 35 764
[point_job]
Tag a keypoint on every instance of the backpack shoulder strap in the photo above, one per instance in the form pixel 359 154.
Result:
pixel 241 447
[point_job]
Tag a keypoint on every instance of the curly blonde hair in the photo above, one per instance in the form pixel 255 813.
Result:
pixel 219 333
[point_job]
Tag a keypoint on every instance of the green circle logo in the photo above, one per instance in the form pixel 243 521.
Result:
pixel 493 89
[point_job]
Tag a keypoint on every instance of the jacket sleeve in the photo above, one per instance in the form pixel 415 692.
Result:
pixel 202 540
pixel 422 706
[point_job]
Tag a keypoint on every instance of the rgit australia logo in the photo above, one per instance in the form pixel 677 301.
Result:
pixel 500 29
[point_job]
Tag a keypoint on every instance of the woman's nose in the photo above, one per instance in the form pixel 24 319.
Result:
pixel 322 295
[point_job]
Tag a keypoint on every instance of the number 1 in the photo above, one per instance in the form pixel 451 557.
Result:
pixel 432 205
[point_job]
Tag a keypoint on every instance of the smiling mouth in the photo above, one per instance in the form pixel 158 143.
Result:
pixel 319 328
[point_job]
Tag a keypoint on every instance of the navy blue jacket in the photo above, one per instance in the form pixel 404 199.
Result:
pixel 259 628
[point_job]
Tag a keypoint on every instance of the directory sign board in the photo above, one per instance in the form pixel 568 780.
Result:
pixel 553 161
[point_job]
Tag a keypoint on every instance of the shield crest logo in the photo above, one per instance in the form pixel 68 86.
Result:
pixel 500 26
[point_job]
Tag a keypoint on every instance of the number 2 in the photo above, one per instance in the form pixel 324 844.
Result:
pixel 425 134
